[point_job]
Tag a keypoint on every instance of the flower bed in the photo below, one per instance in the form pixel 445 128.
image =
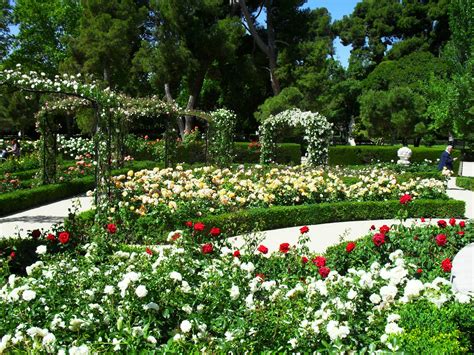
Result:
pixel 173 195
pixel 202 295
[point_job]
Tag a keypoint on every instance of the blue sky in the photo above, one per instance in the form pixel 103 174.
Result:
pixel 337 8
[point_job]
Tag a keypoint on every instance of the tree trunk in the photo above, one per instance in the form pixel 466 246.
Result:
pixel 193 97
pixel 179 120
pixel 272 50
pixel 269 49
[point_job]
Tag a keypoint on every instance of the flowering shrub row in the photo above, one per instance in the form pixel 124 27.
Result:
pixel 202 294
pixel 177 194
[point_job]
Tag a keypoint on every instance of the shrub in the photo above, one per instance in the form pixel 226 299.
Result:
pixel 152 229
pixel 25 199
pixel 347 155
pixel 465 182
pixel 429 329
pixel 289 216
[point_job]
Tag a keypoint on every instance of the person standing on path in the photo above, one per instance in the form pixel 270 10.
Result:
pixel 446 159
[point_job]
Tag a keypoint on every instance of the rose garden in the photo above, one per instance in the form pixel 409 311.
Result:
pixel 199 241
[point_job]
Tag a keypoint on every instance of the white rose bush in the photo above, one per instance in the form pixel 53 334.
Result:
pixel 200 293
pixel 318 134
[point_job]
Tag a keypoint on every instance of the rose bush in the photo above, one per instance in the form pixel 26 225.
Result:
pixel 174 195
pixel 200 294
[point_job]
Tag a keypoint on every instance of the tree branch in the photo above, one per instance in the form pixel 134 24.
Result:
pixel 252 29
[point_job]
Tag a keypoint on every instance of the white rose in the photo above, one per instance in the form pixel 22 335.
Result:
pixel 41 249
pixel 29 295
pixel 234 292
pixel 186 326
pixel 141 291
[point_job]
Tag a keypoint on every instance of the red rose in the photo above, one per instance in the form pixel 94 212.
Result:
pixel 419 271
pixel 149 251
pixel 462 224
pixel 423 219
pixel 51 237
pixel 263 249
pixel 12 255
pixel 63 237
pixel 446 265
pixel 378 239
pixel 452 221
pixel 237 253
pixel 405 199
pixel 304 229
pixel 324 271
pixel 350 246
pixel 261 276
pixel 199 227
pixel 384 229
pixel 319 261
pixel 215 232
pixel 442 223
pixel 461 233
pixel 189 224
pixel 304 259
pixel 441 239
pixel 36 234
pixel 284 248
pixel 372 227
pixel 207 248
pixel 111 228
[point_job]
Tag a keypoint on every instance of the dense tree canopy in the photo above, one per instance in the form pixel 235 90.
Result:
pixel 410 73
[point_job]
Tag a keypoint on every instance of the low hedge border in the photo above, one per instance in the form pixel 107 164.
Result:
pixel 465 182
pixel 287 153
pixel 16 201
pixel 290 216
pixel 348 155
pixel 260 219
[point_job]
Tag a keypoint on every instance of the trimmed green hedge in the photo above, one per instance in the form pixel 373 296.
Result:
pixel 24 199
pixel 289 216
pixel 259 219
pixel 19 200
pixel 465 182
pixel 287 153
pixel 348 155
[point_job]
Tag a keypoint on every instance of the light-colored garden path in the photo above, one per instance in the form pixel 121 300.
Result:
pixel 41 217
pixel 467 168
pixel 322 235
